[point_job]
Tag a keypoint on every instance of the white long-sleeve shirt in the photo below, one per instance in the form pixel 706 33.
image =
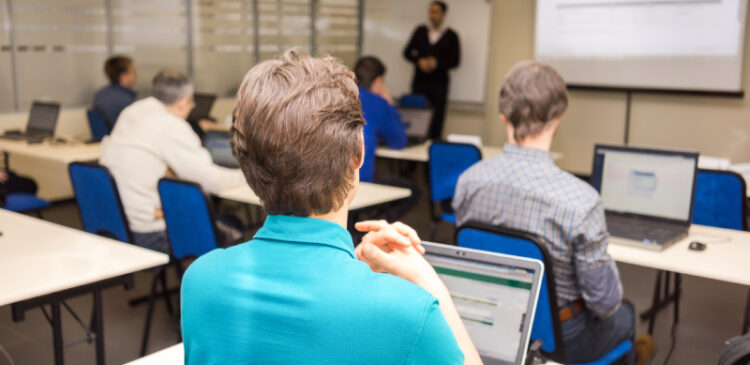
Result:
pixel 146 141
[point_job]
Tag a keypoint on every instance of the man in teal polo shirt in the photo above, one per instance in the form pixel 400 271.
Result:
pixel 299 293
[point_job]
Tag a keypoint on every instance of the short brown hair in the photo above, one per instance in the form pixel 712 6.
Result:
pixel 532 95
pixel 116 66
pixel 297 133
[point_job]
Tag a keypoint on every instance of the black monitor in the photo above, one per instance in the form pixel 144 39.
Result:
pixel 43 118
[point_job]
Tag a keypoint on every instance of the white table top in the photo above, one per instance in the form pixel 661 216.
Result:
pixel 172 355
pixel 61 152
pixel 38 258
pixel 725 257
pixel 420 152
pixel 369 194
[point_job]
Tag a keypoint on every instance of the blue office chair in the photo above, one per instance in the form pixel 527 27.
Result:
pixel 546 326
pixel 25 203
pixel 447 161
pixel 189 217
pixel 98 200
pixel 98 125
pixel 413 101
pixel 721 201
pixel 22 202
pixel 190 227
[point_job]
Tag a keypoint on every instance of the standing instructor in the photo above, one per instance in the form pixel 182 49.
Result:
pixel 434 49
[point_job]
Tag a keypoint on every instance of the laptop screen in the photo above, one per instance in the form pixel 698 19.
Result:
pixel 43 118
pixel 645 182
pixel 203 104
pixel 494 301
pixel 416 121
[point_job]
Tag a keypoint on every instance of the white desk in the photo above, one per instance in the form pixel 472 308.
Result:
pixel 173 355
pixel 724 259
pixel 45 263
pixel 368 195
pixel 48 163
pixel 420 152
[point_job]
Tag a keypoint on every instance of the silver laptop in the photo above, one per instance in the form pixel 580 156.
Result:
pixel 41 124
pixel 648 194
pixel 217 144
pixel 417 123
pixel 495 295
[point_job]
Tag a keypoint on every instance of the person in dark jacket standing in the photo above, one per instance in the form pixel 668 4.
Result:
pixel 434 49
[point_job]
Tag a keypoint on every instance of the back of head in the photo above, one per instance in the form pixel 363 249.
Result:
pixel 169 86
pixel 532 95
pixel 116 66
pixel 297 133
pixel 367 70
pixel 443 6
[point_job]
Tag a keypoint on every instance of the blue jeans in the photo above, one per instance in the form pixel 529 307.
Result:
pixel 156 241
pixel 587 338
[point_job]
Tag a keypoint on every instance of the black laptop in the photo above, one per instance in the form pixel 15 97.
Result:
pixel 41 124
pixel 202 108
pixel 648 194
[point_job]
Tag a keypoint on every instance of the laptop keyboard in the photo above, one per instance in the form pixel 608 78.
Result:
pixel 641 230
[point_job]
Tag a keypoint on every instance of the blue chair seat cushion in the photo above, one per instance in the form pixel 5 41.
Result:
pixel 24 202
pixel 448 217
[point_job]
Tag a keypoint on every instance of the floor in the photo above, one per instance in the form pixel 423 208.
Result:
pixel 710 311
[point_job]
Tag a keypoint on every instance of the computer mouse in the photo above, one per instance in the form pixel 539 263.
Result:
pixel 697 246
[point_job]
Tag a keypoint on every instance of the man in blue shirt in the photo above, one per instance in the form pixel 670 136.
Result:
pixel 383 124
pixel 383 121
pixel 299 293
pixel 110 100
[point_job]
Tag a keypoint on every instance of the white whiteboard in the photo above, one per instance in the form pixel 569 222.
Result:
pixel 388 25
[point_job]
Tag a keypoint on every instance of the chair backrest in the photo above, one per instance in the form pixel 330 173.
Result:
pixel 546 326
pixel 189 218
pixel 446 163
pixel 99 201
pixel 720 200
pixel 98 124
pixel 413 101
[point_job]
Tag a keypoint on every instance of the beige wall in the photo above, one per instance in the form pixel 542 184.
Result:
pixel 716 126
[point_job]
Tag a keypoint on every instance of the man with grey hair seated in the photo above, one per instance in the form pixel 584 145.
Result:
pixel 151 140
pixel 523 189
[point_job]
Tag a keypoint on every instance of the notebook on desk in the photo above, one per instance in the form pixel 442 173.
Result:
pixel 495 295
pixel 648 194
pixel 41 123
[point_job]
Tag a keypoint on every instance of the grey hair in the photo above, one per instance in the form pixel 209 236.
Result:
pixel 169 86
pixel 532 95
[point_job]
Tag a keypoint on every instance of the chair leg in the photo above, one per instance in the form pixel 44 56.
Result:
pixel 746 320
pixel 165 291
pixel 677 293
pixel 149 315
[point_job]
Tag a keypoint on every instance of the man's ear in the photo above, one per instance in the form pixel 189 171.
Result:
pixel 361 151
pixel 504 118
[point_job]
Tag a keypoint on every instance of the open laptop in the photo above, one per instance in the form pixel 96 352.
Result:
pixel 202 108
pixel 417 122
pixel 217 144
pixel 41 124
pixel 648 194
pixel 495 295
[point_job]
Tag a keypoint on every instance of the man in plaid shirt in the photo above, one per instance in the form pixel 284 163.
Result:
pixel 522 189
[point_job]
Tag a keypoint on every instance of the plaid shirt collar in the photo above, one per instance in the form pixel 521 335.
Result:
pixel 528 153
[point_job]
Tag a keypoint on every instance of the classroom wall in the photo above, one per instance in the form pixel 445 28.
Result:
pixel 715 126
